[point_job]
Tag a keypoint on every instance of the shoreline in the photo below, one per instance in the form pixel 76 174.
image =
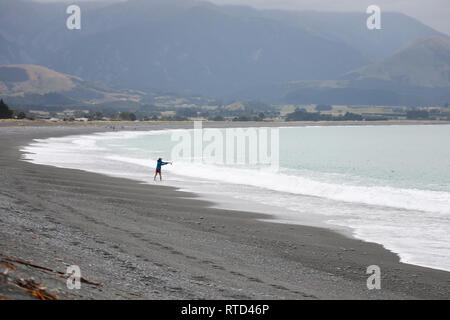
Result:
pixel 289 261
pixel 211 124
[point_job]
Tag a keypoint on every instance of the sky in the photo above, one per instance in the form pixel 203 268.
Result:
pixel 434 13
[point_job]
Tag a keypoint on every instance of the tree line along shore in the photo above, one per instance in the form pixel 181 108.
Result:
pixel 246 111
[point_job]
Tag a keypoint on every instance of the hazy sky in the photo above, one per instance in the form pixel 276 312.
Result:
pixel 435 13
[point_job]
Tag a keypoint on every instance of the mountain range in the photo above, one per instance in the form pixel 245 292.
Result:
pixel 233 52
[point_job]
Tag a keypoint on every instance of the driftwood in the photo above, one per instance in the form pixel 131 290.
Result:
pixel 35 289
pixel 58 273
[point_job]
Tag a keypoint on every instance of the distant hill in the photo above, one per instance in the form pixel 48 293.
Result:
pixel 17 79
pixel 424 63
pixel 418 74
pixel 31 84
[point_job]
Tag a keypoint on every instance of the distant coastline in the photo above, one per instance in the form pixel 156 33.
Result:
pixel 42 122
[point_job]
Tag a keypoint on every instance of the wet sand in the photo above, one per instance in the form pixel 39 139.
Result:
pixel 154 242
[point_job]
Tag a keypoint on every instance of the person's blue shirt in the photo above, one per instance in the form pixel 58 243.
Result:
pixel 160 164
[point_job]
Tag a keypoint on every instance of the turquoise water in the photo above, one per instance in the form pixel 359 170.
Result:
pixel 386 184
pixel 398 156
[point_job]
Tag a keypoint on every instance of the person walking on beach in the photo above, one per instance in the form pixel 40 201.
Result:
pixel 159 164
